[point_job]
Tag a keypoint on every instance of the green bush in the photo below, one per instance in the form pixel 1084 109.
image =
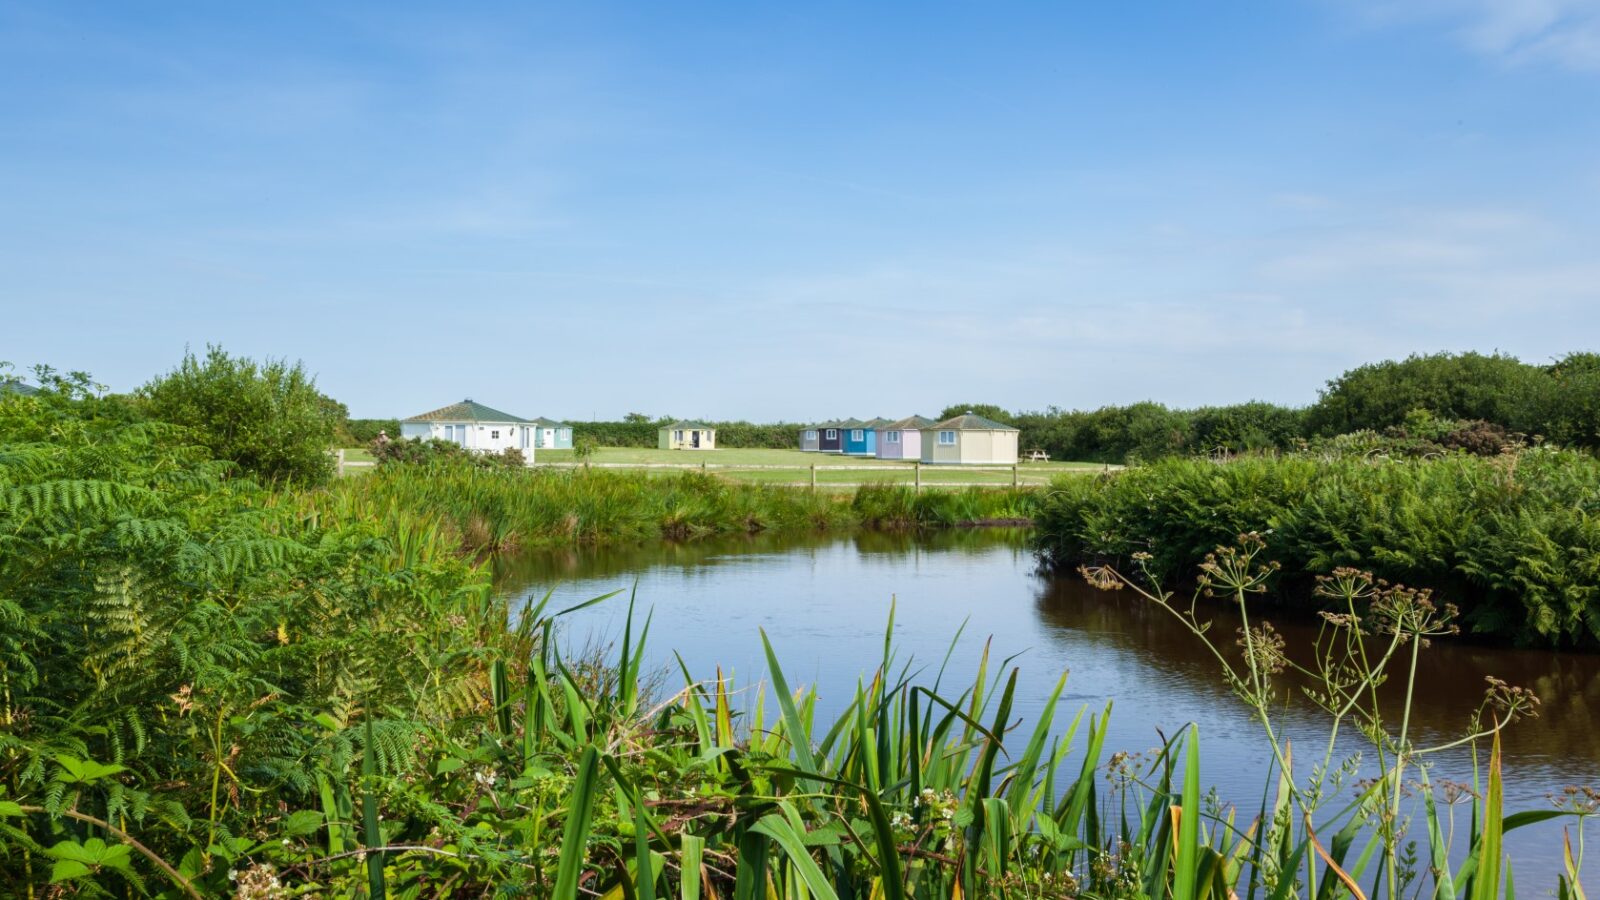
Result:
pixel 365 431
pixel 267 418
pixel 1513 539
pixel 433 451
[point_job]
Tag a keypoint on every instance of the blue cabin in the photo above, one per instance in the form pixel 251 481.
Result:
pixel 552 435
pixel 861 438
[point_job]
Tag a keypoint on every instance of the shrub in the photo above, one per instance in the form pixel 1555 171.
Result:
pixel 435 451
pixel 365 431
pixel 266 418
pixel 1510 538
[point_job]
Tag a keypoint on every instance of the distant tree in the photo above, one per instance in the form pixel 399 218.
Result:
pixel 1453 386
pixel 636 419
pixel 584 446
pixel 268 418
pixel 987 410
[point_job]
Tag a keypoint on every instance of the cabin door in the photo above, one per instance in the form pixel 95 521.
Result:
pixel 694 439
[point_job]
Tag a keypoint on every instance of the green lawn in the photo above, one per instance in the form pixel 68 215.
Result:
pixel 800 464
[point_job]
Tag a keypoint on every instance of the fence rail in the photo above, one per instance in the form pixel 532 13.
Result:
pixel 915 469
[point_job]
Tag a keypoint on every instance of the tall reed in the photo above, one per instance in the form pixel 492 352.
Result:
pixel 1515 540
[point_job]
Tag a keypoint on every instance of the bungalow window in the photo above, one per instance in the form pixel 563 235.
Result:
pixel 833 434
pixel 677 435
pixel 858 435
pixel 891 437
pixel 566 433
pixel 811 435
pixel 947 437
pixel 449 432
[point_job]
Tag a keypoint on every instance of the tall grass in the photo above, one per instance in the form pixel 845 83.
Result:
pixel 492 510
pixel 208 689
pixel 1515 540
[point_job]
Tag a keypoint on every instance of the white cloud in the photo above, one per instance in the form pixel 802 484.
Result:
pixel 1560 32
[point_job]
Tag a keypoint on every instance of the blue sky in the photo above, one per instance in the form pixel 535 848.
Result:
pixel 798 211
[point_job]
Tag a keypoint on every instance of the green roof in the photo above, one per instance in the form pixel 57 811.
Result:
pixel 909 423
pixel 548 423
pixel 466 411
pixel 691 425
pixel 970 422
pixel 17 387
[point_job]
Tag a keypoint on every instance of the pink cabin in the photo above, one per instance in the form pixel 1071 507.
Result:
pixel 902 439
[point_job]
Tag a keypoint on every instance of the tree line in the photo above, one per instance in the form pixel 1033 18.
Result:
pixel 270 419
pixel 1437 399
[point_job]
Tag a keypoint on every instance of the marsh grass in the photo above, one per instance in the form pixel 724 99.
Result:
pixel 1514 540
pixel 496 510
pixel 210 689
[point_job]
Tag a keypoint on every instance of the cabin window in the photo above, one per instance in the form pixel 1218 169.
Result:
pixel 947 437
pixel 811 435
pixel 449 432
pixel 677 435
pixel 833 434
pixel 858 435
pixel 566 433
pixel 494 435
pixel 891 437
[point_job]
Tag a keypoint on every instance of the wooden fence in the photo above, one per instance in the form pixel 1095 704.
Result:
pixel 916 469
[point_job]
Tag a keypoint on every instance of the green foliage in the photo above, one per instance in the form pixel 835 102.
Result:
pixel 208 689
pixel 1450 386
pixel 364 431
pixel 267 418
pixel 638 430
pixel 181 650
pixel 1513 539
pixel 987 410
pixel 435 451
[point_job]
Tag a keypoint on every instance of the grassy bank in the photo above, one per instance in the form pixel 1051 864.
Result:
pixel 209 688
pixel 1514 540
pixel 497 509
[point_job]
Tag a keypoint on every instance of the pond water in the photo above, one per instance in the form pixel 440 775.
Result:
pixel 824 602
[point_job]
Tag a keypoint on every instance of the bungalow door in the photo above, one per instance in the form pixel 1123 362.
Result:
pixel 694 438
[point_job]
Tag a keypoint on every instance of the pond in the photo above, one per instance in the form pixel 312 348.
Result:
pixel 824 602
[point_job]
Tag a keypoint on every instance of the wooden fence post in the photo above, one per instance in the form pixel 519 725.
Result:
pixel 917 466
pixel 1014 480
pixel 813 477
pixel 339 466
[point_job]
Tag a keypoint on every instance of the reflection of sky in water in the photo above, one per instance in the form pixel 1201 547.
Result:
pixel 825 603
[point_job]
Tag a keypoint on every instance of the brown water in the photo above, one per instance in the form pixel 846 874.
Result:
pixel 825 601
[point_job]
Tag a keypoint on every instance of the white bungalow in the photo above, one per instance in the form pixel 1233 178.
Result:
pixel 474 426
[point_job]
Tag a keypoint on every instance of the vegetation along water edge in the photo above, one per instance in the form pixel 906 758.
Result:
pixel 211 688
pixel 1514 539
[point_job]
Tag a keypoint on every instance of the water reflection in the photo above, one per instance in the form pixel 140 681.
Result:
pixel 1563 743
pixel 825 600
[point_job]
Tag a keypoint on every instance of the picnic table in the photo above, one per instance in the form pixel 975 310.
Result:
pixel 1035 456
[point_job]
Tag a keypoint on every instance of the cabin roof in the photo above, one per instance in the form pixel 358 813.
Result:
pixel 13 386
pixel 690 424
pixel 910 423
pixel 971 422
pixel 467 410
